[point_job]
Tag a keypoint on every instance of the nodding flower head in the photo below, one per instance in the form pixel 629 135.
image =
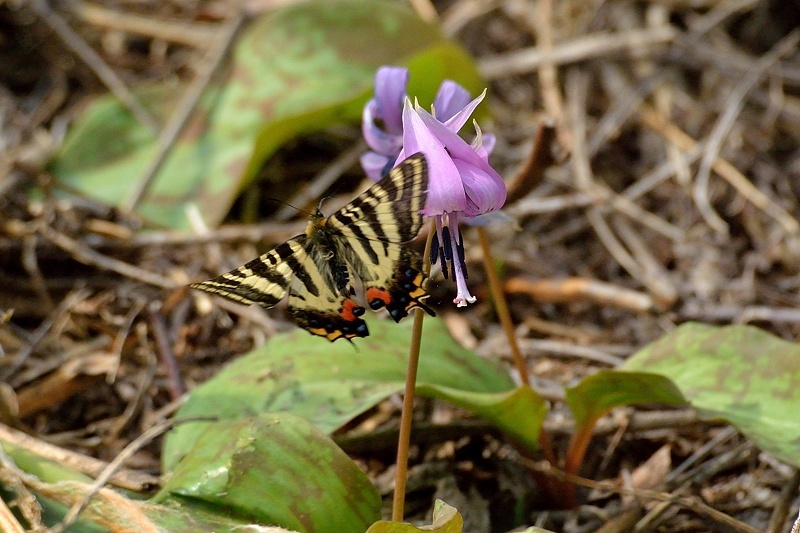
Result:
pixel 461 183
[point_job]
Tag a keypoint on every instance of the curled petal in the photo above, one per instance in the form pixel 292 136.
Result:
pixel 489 140
pixel 380 141
pixel 390 91
pixel 375 165
pixel 450 99
pixel 485 193
pixel 483 185
pixel 445 189
pixel 457 121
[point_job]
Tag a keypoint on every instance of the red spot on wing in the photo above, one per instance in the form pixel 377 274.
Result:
pixel 347 310
pixel 378 294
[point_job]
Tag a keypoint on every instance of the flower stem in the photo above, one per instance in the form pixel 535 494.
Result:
pixel 404 439
pixel 501 306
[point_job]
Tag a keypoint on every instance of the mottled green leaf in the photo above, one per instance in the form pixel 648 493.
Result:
pixel 329 384
pixel 599 393
pixel 446 519
pixel 297 69
pixel 113 511
pixel 518 412
pixel 740 374
pixel 276 469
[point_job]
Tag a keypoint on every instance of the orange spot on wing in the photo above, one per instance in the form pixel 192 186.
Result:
pixel 347 310
pixel 380 294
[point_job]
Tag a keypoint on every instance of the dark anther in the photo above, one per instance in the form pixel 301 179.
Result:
pixel 435 248
pixel 444 266
pixel 448 248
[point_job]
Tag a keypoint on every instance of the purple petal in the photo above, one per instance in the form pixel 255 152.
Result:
pixel 484 192
pixel 488 188
pixel 390 91
pixel 374 164
pixel 483 144
pixel 380 141
pixel 457 121
pixel 450 99
pixel 445 190
pixel 488 142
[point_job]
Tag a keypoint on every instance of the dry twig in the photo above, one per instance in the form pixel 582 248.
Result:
pixel 76 43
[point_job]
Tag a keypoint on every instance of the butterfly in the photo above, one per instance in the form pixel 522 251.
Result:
pixel 362 240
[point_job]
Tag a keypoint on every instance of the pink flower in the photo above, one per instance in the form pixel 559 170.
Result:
pixel 461 183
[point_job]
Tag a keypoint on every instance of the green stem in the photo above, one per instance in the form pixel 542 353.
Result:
pixel 549 486
pixel 404 439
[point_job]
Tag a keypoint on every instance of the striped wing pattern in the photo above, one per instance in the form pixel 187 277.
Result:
pixel 374 225
pixel 265 279
pixel 363 240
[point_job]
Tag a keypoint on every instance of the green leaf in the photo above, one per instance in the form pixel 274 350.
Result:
pixel 740 374
pixel 44 469
pixel 519 412
pixel 57 488
pixel 330 384
pixel 112 511
pixel 446 519
pixel 599 393
pixel 276 469
pixel 297 69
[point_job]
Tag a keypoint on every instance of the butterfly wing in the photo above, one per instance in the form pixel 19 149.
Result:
pixel 362 238
pixel 370 230
pixel 264 280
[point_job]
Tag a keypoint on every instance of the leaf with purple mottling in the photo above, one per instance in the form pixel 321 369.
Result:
pixel 295 70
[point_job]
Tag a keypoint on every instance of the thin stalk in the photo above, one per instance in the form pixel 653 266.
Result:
pixel 576 452
pixel 501 305
pixel 404 439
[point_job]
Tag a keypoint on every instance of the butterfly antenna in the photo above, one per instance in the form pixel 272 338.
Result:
pixel 289 205
pixel 331 195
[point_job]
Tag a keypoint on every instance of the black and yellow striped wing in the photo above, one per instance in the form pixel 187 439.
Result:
pixel 317 269
pixel 264 280
pixel 372 228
